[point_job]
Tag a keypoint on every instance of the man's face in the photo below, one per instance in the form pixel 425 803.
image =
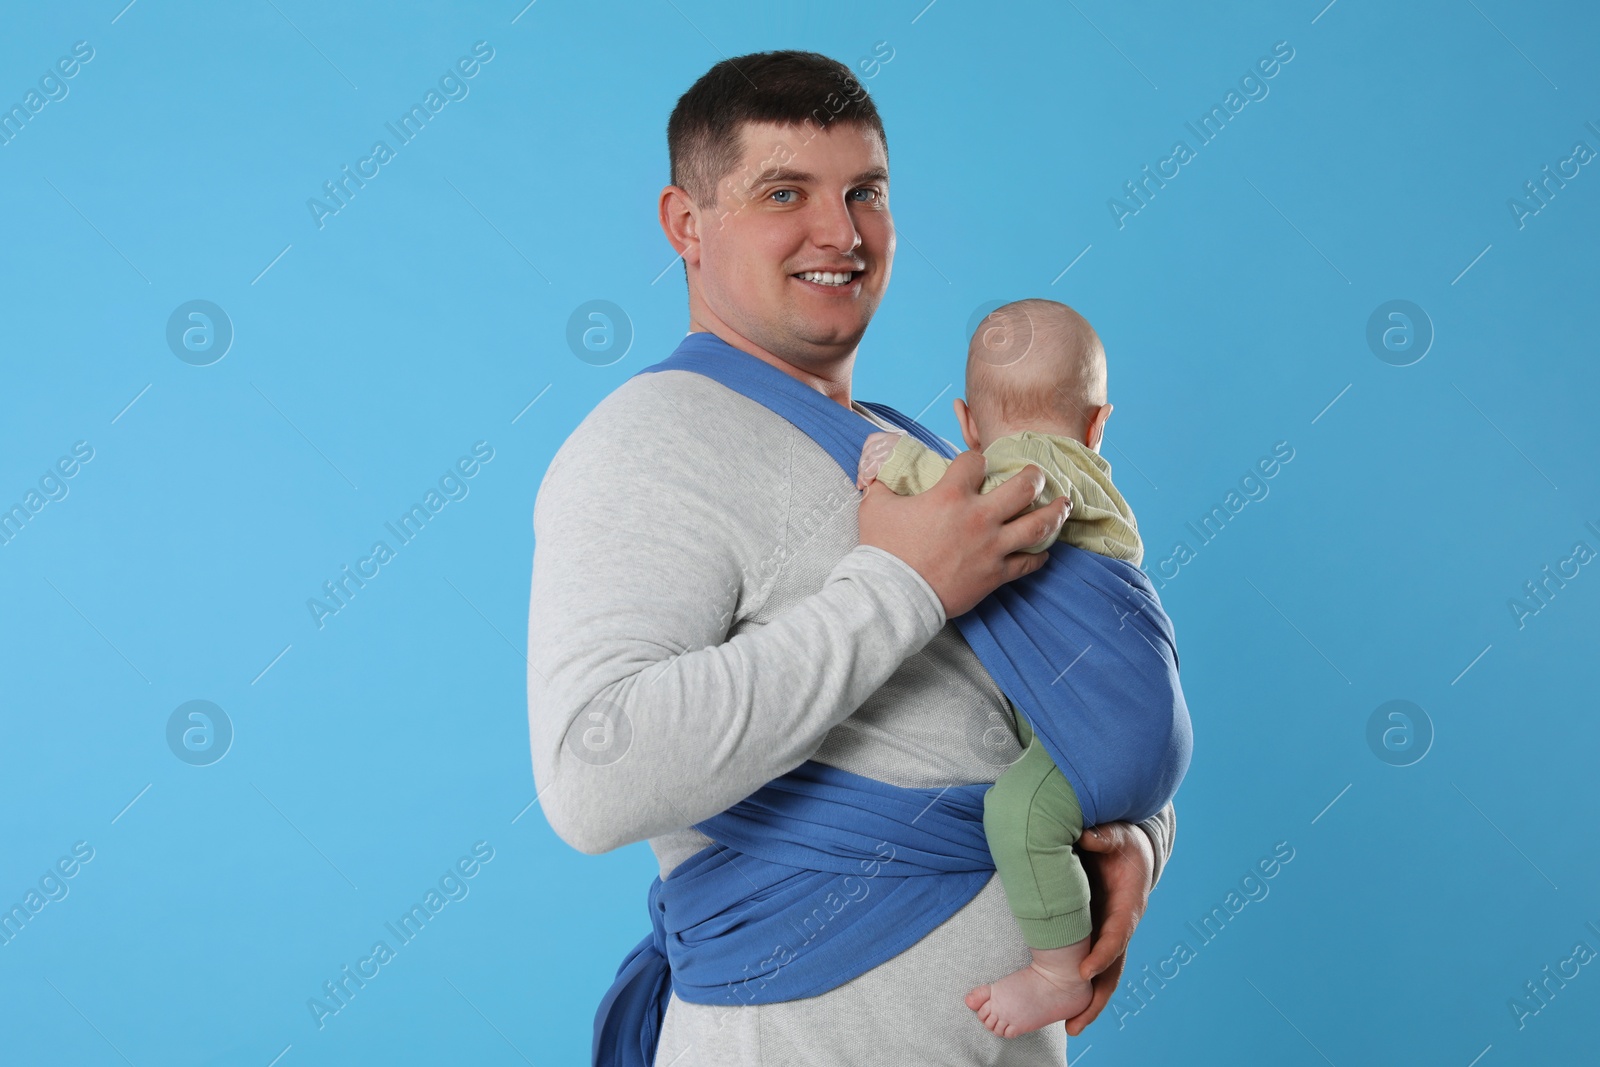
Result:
pixel 792 207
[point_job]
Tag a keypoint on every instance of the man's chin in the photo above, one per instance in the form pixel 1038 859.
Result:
pixel 823 344
pixel 826 332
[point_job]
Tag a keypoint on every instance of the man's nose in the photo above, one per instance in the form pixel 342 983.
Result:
pixel 834 227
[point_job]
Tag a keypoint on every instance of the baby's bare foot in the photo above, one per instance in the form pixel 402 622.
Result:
pixel 1046 991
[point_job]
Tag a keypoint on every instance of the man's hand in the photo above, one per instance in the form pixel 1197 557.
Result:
pixel 874 454
pixel 964 543
pixel 1119 861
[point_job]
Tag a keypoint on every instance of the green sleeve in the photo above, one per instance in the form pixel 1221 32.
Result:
pixel 912 467
pixel 1006 457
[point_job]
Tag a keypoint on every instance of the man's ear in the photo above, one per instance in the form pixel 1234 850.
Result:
pixel 969 429
pixel 1097 427
pixel 680 221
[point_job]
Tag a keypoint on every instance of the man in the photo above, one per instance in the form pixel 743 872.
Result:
pixel 711 608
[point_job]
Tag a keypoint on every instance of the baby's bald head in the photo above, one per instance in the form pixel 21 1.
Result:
pixel 1035 365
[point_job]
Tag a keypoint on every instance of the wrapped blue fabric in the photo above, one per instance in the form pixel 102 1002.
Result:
pixel 853 871
pixel 835 874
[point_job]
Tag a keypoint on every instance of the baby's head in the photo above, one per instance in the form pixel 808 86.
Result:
pixel 1034 365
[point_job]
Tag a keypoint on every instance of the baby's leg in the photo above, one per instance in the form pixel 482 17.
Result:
pixel 1032 818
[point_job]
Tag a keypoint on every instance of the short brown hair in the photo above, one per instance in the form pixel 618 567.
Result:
pixel 705 134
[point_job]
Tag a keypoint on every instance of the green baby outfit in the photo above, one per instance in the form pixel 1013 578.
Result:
pixel 1031 815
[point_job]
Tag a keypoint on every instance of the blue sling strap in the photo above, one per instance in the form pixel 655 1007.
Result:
pixel 1081 646
pixel 821 875
pixel 818 876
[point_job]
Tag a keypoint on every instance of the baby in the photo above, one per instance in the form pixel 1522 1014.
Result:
pixel 1036 378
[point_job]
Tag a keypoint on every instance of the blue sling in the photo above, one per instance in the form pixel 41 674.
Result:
pixel 833 869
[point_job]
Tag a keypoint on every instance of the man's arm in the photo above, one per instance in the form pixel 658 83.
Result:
pixel 1122 861
pixel 644 716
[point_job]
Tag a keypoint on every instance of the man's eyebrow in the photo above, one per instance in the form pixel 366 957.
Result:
pixel 785 174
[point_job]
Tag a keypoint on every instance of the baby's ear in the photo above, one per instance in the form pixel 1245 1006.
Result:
pixel 969 429
pixel 1097 427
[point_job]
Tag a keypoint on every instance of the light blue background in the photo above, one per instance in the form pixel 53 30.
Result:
pixel 373 752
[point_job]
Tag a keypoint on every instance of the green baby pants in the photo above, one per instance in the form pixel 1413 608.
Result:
pixel 1032 819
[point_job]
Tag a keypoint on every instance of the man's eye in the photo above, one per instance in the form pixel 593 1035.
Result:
pixel 784 192
pixel 872 194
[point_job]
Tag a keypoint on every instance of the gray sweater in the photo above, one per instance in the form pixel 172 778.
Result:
pixel 698 582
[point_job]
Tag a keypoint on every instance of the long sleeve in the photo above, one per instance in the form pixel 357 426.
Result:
pixel 654 541
pixel 912 467
pixel 1162 829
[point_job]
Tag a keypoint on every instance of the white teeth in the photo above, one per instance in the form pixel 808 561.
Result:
pixel 824 277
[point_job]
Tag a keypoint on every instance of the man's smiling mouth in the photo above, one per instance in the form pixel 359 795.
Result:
pixel 828 277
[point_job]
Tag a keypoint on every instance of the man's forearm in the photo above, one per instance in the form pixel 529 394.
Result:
pixel 707 727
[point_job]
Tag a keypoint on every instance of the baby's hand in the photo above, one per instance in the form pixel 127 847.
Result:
pixel 873 454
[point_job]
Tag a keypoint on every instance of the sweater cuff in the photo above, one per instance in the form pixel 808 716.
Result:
pixel 1162 830
pixel 911 591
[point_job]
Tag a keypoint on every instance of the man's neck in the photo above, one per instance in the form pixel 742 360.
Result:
pixel 832 380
